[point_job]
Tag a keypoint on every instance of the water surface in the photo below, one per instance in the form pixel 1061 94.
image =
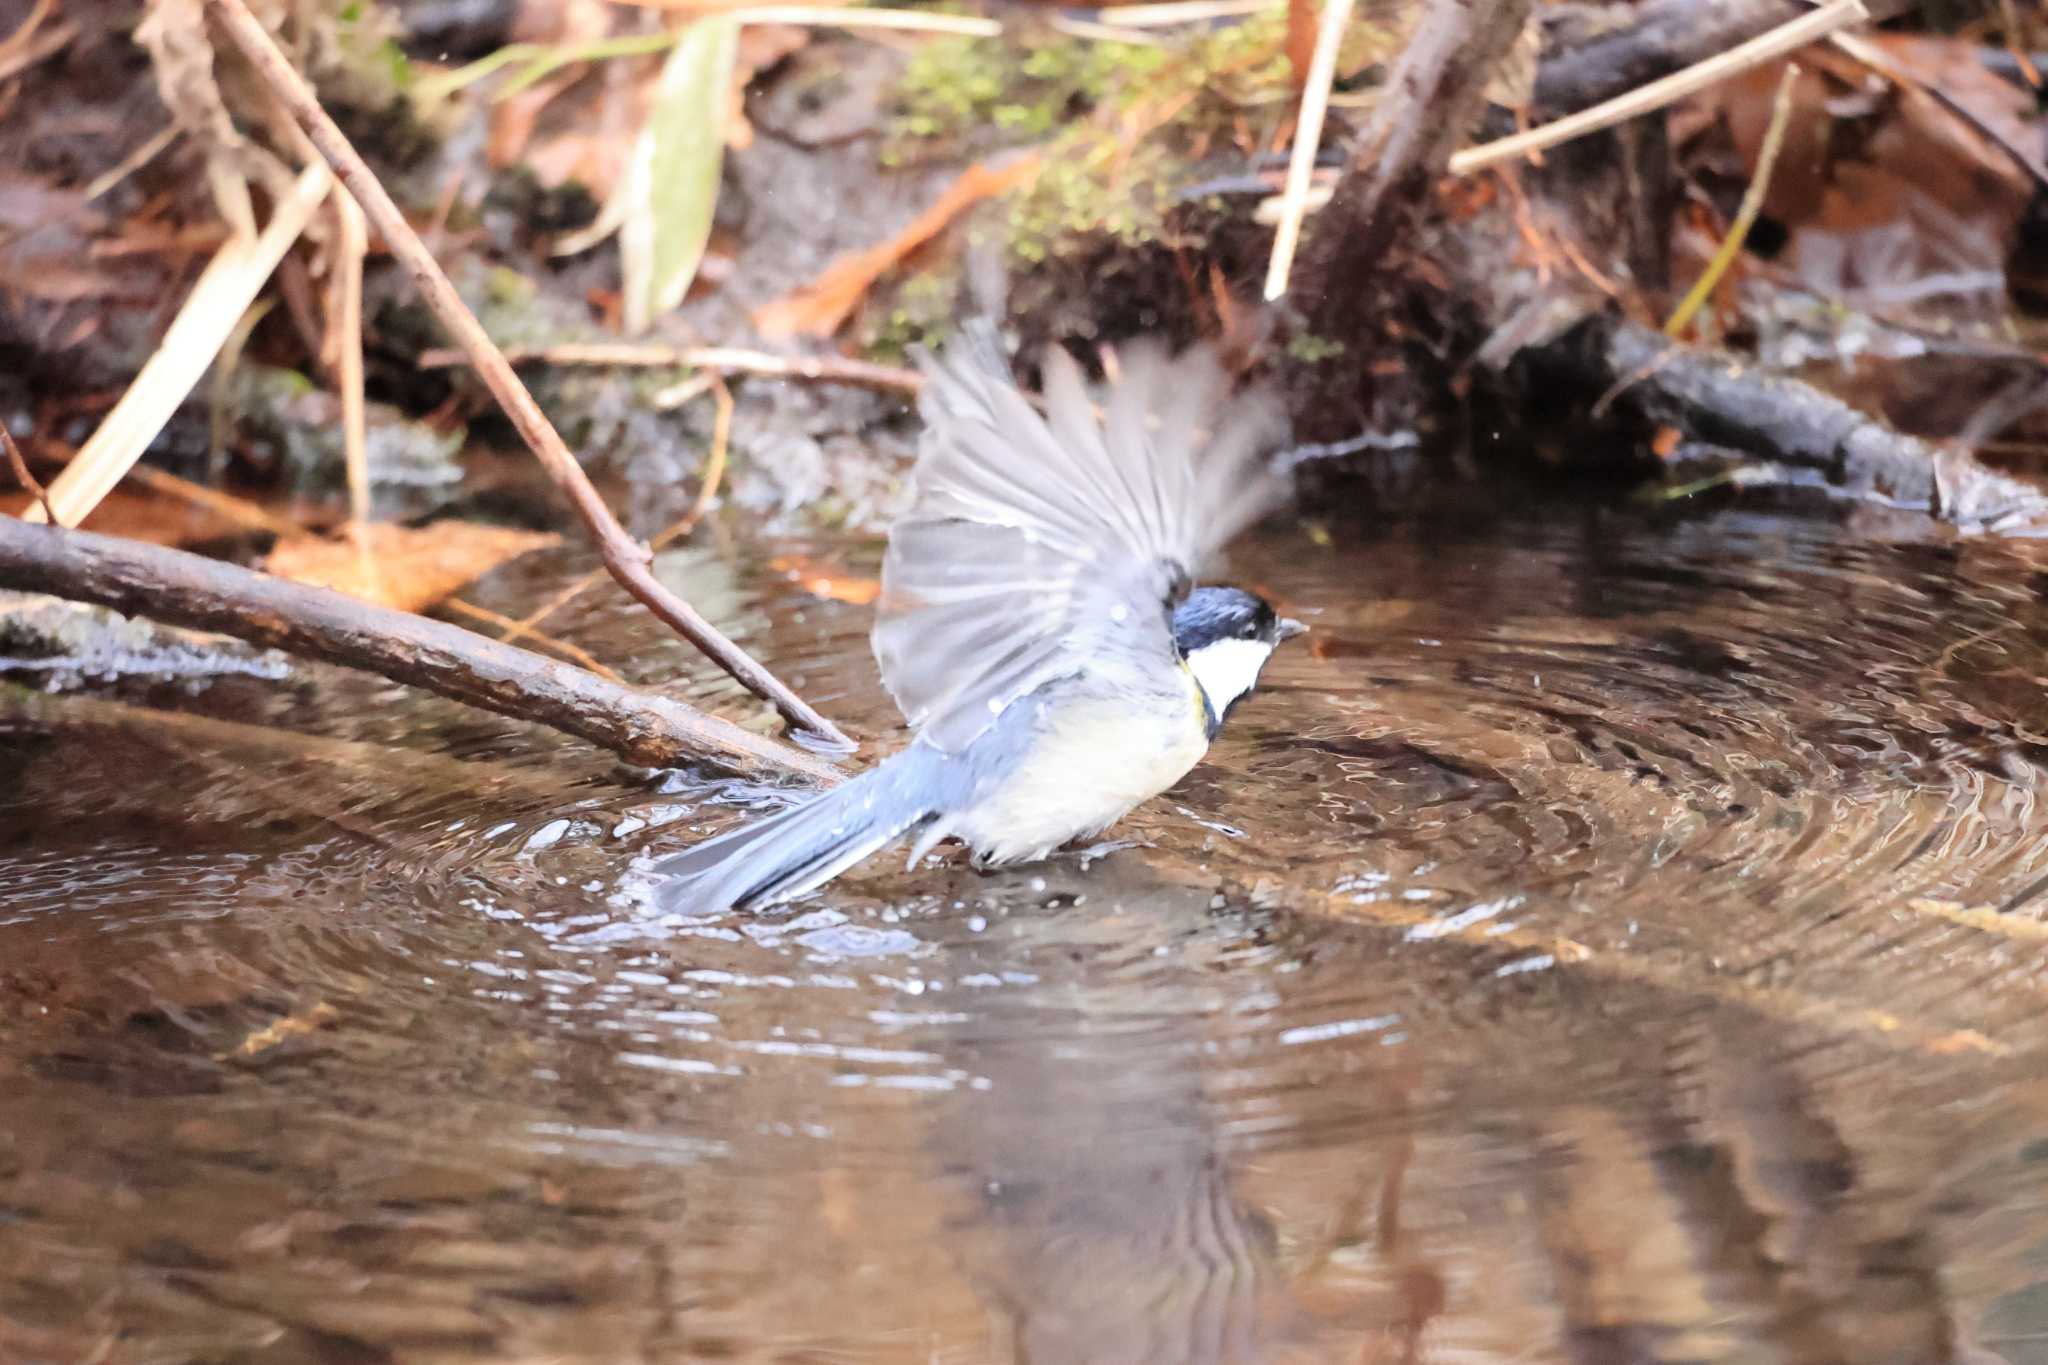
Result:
pixel 1610 937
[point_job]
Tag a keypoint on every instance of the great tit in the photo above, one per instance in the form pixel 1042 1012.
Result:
pixel 1038 623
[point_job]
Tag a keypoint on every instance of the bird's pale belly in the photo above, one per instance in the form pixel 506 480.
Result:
pixel 1103 758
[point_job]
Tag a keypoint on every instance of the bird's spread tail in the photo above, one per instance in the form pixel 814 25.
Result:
pixel 788 853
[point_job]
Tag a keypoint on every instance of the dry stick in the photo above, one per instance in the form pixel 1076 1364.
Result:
pixel 1745 215
pixel 189 590
pixel 350 249
pixel 218 301
pixel 1649 98
pixel 714 463
pixel 714 473
pixel 825 369
pixel 626 560
pixel 574 653
pixel 1646 99
pixel 29 483
pixel 1870 55
pixel 1308 138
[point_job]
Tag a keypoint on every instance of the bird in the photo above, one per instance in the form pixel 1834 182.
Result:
pixel 1038 622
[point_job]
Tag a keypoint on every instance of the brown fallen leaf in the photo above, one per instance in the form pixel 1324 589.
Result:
pixel 821 306
pixel 823 580
pixel 408 568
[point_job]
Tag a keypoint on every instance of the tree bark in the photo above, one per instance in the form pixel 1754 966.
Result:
pixel 188 590
pixel 1432 100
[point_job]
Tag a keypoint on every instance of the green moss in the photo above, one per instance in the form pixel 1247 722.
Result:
pixel 507 288
pixel 1310 349
pixel 920 314
pixel 964 93
pixel 1120 125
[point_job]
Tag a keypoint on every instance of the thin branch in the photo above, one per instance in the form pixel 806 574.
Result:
pixel 189 590
pixel 1646 99
pixel 353 244
pixel 574 653
pixel 29 483
pixel 131 163
pixel 729 360
pixel 1745 215
pixel 1182 12
pixel 626 559
pixel 707 489
pixel 1308 139
pixel 714 463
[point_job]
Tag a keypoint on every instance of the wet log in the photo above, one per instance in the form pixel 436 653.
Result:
pixel 1715 397
pixel 316 623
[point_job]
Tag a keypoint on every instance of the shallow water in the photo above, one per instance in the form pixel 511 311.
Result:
pixel 1615 937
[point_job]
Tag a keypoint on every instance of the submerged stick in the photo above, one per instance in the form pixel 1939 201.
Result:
pixel 189 590
pixel 626 559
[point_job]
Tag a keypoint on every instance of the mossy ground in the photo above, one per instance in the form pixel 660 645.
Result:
pixel 1125 129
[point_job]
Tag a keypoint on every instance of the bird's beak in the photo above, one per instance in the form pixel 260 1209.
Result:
pixel 1289 628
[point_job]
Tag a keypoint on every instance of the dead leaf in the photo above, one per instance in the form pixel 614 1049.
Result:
pixel 408 568
pixel 820 307
pixel 828 581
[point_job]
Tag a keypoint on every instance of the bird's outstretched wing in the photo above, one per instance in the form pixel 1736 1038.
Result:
pixel 1043 543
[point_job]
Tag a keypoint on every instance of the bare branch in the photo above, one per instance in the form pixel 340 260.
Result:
pixel 188 590
pixel 627 560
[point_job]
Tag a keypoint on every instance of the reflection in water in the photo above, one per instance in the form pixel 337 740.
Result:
pixel 1615 942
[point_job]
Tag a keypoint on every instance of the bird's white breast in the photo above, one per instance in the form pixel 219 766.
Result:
pixel 1098 757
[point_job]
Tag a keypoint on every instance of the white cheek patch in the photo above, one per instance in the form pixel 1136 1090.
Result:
pixel 1227 669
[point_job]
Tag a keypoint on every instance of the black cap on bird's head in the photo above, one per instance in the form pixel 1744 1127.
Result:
pixel 1226 636
pixel 1208 615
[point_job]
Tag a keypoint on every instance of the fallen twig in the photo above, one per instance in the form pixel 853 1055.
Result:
pixel 1660 37
pixel 189 590
pixel 1657 94
pixel 1633 103
pixel 1308 139
pixel 729 360
pixel 29 483
pixel 574 653
pixel 350 248
pixel 1745 214
pixel 623 557
pixel 1714 397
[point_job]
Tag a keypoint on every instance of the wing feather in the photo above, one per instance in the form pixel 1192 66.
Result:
pixel 1040 544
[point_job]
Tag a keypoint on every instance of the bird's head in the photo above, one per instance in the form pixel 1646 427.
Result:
pixel 1226 635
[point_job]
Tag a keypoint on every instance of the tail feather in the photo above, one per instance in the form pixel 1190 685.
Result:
pixel 788 853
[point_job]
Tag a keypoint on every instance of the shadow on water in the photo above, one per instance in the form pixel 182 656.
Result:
pixel 1616 939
